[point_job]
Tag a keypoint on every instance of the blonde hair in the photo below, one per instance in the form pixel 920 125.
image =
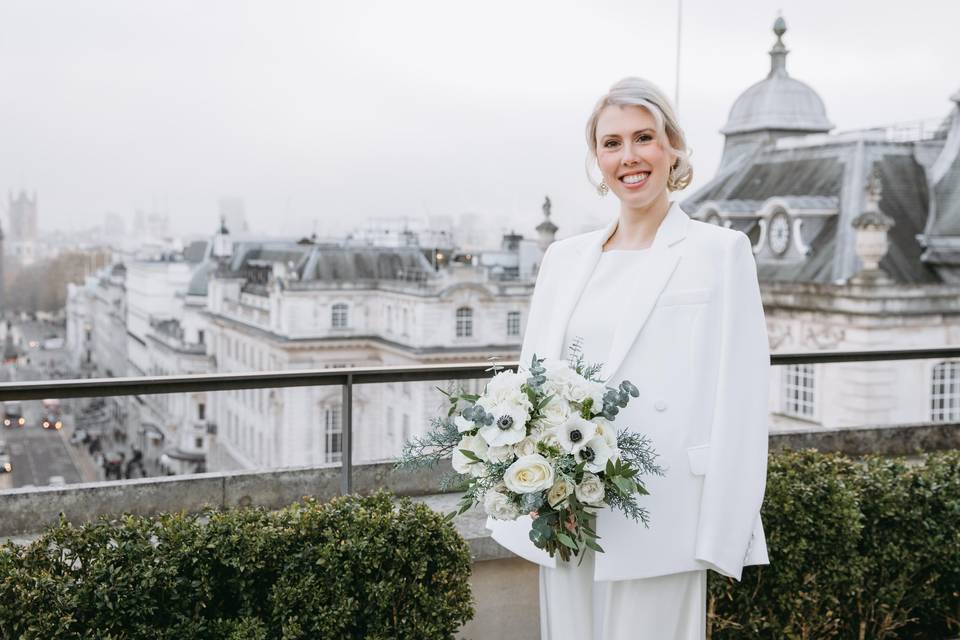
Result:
pixel 643 93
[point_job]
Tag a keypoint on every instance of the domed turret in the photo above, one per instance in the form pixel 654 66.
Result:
pixel 775 107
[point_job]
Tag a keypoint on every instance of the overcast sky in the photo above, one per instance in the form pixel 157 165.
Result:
pixel 337 111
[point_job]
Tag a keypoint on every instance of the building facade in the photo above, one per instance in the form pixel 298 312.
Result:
pixel 857 241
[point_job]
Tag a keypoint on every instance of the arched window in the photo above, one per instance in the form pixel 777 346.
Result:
pixel 464 322
pixel 338 316
pixel 945 392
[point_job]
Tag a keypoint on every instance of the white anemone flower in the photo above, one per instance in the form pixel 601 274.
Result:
pixel 575 433
pixel 595 453
pixel 509 425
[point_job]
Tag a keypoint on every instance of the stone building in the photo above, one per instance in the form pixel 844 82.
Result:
pixel 857 241
pixel 285 306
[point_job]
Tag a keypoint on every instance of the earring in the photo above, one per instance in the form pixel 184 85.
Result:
pixel 603 189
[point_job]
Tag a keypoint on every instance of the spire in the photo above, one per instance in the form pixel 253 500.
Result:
pixel 778 54
pixel 546 229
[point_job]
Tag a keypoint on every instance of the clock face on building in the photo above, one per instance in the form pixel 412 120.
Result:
pixel 779 233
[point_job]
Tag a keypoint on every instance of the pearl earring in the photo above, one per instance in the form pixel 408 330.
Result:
pixel 603 189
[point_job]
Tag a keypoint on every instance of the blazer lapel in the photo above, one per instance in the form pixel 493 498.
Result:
pixel 665 255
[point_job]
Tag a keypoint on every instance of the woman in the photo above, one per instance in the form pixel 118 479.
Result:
pixel 673 305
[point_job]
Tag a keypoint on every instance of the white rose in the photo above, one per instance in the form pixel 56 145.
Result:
pixel 555 413
pixel 509 425
pixel 499 506
pixel 505 388
pixel 463 424
pixel 606 429
pixel 529 474
pixel 575 433
pixel 500 454
pixel 558 493
pixel 590 490
pixel 462 463
pixel 526 447
pixel 594 453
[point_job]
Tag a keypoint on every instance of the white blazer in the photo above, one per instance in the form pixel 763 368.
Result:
pixel 694 341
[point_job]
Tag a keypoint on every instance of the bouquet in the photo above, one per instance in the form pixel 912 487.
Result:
pixel 543 443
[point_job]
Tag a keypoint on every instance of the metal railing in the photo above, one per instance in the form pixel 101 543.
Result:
pixel 348 377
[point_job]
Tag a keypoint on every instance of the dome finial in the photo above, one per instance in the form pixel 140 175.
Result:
pixel 778 54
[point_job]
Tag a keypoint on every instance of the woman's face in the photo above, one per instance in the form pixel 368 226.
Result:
pixel 634 164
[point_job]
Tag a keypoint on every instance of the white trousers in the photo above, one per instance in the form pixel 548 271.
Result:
pixel 574 607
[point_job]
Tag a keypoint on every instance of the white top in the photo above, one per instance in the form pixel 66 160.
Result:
pixel 600 305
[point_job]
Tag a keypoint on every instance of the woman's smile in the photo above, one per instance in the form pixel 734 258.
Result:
pixel 635 180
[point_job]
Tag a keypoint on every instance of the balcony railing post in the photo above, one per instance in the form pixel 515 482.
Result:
pixel 346 438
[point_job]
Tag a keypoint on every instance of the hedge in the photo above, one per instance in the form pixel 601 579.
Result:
pixel 859 549
pixel 355 567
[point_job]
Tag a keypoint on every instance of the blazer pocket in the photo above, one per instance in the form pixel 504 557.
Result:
pixel 698 457
pixel 684 296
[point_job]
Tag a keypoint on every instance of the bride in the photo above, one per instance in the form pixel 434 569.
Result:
pixel 673 305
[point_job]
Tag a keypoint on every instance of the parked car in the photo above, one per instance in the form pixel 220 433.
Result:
pixel 5 464
pixel 79 436
pixel 13 415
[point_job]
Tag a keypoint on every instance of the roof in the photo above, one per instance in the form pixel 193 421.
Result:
pixel 828 182
pixel 778 102
pixel 331 262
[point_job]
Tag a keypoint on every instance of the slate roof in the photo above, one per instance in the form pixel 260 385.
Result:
pixel 829 175
pixel 335 263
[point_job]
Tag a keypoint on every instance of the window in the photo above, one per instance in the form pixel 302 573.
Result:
pixel 390 432
pixel 945 392
pixel 464 322
pixel 798 390
pixel 389 319
pixel 333 432
pixel 201 411
pixel 200 336
pixel 513 323
pixel 338 316
pixel 198 443
pixel 406 322
pixel 406 427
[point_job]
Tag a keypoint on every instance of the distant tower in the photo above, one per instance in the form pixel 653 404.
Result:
pixel 546 229
pixel 23 216
pixel 222 243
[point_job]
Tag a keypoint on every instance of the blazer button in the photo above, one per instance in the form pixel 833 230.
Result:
pixel 660 405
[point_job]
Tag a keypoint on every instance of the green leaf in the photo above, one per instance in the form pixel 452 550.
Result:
pixel 567 541
pixel 625 485
pixel 470 454
pixel 593 545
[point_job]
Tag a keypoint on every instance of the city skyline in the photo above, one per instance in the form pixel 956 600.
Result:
pixel 127 106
